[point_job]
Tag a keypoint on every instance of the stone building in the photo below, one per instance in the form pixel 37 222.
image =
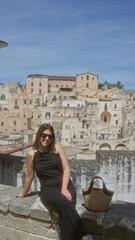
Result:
pixel 41 84
pixel 87 80
pixel 4 92
pixel 110 111
pixel 21 103
pixel 76 108
pixel 37 84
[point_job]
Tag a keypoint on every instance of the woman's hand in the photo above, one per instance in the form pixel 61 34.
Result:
pixel 67 194
pixel 20 194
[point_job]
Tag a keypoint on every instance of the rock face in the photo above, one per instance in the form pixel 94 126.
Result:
pixel 28 219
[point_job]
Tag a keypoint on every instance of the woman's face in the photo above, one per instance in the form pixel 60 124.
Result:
pixel 46 138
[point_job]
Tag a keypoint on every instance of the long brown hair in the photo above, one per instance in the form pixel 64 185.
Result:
pixel 37 142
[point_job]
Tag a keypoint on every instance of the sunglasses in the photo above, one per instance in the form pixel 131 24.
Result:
pixel 44 135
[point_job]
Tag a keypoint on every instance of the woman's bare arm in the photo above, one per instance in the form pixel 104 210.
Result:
pixel 30 174
pixel 66 171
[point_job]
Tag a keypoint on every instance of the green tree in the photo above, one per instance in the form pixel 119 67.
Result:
pixel 119 85
pixel 37 101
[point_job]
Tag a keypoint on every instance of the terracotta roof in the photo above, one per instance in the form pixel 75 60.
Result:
pixel 37 75
pixel 17 149
pixel 61 78
pixel 87 73
pixel 51 77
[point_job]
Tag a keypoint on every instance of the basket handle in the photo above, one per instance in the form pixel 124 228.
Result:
pixel 106 191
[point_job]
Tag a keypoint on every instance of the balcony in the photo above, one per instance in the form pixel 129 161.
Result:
pixel 16 107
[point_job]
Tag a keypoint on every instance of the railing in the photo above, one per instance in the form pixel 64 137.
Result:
pixel 16 107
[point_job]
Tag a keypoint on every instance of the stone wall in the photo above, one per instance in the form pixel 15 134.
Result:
pixel 117 168
pixel 10 166
pixel 27 219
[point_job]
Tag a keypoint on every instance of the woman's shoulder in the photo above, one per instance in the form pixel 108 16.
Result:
pixel 58 148
pixel 31 152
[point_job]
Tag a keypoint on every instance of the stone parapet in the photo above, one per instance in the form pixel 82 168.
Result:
pixel 28 219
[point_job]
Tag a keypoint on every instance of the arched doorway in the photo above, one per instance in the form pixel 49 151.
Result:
pixel 105 117
pixel 121 147
pixel 105 146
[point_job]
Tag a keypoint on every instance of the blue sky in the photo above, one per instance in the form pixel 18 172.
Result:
pixel 65 37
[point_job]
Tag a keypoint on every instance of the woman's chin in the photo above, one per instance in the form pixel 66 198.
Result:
pixel 45 144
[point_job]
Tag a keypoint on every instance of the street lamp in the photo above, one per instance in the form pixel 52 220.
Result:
pixel 3 44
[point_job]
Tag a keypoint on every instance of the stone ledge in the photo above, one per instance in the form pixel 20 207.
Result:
pixel 10 233
pixel 29 216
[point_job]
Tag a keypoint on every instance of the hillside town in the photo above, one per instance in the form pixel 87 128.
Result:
pixel 83 112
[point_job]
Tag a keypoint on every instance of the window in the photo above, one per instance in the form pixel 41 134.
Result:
pixel 31 90
pixel 40 91
pixel 56 85
pixel 105 108
pixel 47 115
pixel 81 78
pixel 54 99
pixel 115 106
pixel 105 118
pixel 92 78
pixel 87 85
pixel 87 77
pixel 2 123
pixel 3 97
pixel 30 102
pixel 40 84
pixel 32 84
pixel 78 105
pixel 81 136
pixel 116 122
pixel 103 136
pixel 25 101
pixel 14 123
pixel 16 102
pixel 16 105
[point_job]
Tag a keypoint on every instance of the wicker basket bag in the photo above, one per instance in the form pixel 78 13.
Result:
pixel 97 199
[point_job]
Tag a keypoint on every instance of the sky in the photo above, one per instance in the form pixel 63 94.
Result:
pixel 68 37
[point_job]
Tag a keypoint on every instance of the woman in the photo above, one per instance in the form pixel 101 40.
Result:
pixel 49 161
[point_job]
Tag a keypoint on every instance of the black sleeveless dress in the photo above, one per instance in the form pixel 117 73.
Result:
pixel 48 168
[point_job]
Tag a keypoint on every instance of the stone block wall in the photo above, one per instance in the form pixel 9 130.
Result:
pixel 28 219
